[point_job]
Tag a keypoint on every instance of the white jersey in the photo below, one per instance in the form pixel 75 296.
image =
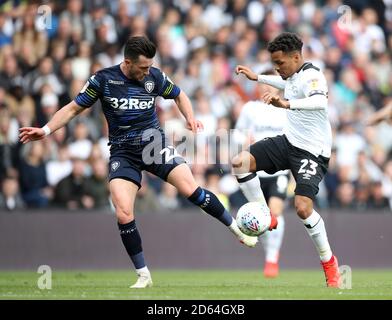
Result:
pixel 308 126
pixel 260 120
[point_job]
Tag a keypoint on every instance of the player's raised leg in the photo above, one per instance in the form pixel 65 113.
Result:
pixel 123 195
pixel 315 227
pixel 181 177
pixel 244 168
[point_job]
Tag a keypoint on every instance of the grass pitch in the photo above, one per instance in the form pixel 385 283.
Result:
pixel 195 285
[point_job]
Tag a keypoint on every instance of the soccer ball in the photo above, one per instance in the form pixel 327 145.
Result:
pixel 254 218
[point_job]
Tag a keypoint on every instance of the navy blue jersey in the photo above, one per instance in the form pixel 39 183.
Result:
pixel 128 105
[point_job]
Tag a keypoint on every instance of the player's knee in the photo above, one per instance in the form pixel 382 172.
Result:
pixel 243 163
pixel 124 219
pixel 123 215
pixel 187 190
pixel 303 206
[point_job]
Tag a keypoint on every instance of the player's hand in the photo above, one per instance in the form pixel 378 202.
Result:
pixel 195 125
pixel 28 134
pixel 246 71
pixel 275 100
pixel 371 121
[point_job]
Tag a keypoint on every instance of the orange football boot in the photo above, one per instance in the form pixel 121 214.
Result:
pixel 271 269
pixel 274 223
pixel 331 271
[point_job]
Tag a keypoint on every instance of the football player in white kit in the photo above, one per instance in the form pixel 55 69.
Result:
pixel 256 122
pixel 305 146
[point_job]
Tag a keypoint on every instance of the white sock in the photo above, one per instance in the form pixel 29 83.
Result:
pixel 143 270
pixel 234 228
pixel 272 241
pixel 250 186
pixel 315 227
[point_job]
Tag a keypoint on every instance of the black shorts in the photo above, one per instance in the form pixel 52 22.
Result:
pixel 277 153
pixel 274 186
pixel 157 156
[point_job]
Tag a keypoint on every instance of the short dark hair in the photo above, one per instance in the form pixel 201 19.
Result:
pixel 139 45
pixel 286 42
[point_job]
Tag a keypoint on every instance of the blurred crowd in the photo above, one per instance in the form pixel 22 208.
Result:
pixel 48 49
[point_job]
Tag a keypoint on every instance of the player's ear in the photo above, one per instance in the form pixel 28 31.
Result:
pixel 127 62
pixel 297 56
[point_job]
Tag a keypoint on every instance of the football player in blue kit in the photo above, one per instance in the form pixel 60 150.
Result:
pixel 127 92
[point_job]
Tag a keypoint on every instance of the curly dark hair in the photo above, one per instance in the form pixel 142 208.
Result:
pixel 136 46
pixel 286 42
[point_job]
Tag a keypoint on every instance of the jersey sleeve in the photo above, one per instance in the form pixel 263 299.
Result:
pixel 315 89
pixel 91 91
pixel 274 81
pixel 168 89
pixel 314 83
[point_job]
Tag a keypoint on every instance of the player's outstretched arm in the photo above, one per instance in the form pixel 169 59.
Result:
pixel 246 71
pixel 185 106
pixel 384 113
pixel 271 80
pixel 59 119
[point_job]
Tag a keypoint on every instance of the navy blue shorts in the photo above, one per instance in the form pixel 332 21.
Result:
pixel 127 161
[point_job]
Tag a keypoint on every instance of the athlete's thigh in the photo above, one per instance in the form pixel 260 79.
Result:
pixel 124 180
pixel 182 178
pixel 123 194
pixel 308 171
pixel 270 154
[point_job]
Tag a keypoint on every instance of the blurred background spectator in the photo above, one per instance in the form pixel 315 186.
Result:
pixel 199 44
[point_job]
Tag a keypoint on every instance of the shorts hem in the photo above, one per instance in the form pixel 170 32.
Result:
pixel 171 169
pixel 128 179
pixel 305 190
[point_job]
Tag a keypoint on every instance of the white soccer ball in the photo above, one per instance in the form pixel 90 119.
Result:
pixel 253 218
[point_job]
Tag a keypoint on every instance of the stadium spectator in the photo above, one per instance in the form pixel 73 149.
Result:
pixel 199 43
pixel 147 199
pixel 95 187
pixel 34 185
pixel 10 198
pixel 377 198
pixel 9 149
pixel 59 168
pixel 69 192
pixel 81 145
pixel 49 105
pixel 28 36
pixel 346 196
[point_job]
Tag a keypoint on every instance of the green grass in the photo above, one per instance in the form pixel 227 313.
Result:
pixel 195 285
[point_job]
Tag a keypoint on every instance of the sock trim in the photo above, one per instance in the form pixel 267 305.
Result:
pixel 197 196
pixel 310 227
pixel 201 197
pixel 247 178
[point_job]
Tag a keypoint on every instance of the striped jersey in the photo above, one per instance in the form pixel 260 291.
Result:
pixel 128 105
